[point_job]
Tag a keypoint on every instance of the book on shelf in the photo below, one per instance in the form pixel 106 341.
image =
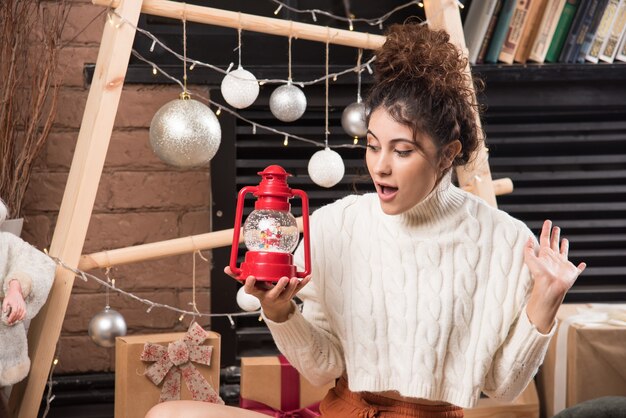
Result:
pixel 487 38
pixel 476 25
pixel 500 31
pixel 579 56
pixel 609 50
pixel 535 13
pixel 621 50
pixel 581 13
pixel 547 28
pixel 511 41
pixel 562 28
pixel 603 31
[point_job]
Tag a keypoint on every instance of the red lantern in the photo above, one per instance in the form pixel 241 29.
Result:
pixel 270 231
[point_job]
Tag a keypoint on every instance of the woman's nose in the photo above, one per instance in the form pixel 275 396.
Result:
pixel 383 165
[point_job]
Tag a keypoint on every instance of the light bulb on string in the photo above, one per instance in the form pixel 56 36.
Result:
pixel 286 141
pixel 152 46
pixel 154 70
pixel 278 10
pixel 218 112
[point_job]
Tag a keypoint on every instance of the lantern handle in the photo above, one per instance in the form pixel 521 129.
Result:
pixel 237 228
pixel 305 231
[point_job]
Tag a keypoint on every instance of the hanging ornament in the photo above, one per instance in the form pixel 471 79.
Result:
pixel 326 168
pixel 185 133
pixel 288 103
pixel 247 302
pixel 353 119
pixel 105 326
pixel 240 88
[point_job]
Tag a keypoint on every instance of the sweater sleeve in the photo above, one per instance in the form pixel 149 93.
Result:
pixel 307 339
pixel 517 360
pixel 32 268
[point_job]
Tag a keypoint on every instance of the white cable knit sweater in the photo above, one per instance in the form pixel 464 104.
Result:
pixel 430 303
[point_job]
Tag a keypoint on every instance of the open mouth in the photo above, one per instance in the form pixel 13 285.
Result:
pixel 385 192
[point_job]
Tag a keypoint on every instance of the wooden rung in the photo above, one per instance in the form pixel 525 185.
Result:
pixel 249 22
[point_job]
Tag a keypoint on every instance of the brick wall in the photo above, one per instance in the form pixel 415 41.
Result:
pixel 139 200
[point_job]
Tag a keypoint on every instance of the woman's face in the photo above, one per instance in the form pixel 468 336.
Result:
pixel 404 170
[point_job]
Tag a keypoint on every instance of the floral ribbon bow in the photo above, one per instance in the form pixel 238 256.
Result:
pixel 177 358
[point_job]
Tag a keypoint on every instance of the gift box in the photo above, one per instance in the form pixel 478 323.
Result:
pixel 586 358
pixel 270 385
pixel 160 367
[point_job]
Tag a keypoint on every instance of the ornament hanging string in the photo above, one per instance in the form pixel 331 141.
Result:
pixel 358 76
pixel 106 274
pixel 289 61
pixel 185 92
pixel 239 40
pixel 326 131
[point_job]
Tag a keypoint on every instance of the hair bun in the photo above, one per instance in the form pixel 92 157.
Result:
pixel 414 53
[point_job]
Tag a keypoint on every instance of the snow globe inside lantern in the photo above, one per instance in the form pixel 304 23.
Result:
pixel 270 232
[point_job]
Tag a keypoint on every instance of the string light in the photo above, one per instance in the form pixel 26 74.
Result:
pixel 372 22
pixel 151 304
pixel 237 115
pixel 278 9
pixel 152 46
pixel 219 111
pixel 154 70
pixel 356 140
pixel 286 141
pixel 226 71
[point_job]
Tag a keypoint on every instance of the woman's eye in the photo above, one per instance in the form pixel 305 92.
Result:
pixel 372 147
pixel 403 153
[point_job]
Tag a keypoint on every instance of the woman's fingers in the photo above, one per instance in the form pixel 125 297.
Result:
pixel 544 238
pixel 565 247
pixel 555 239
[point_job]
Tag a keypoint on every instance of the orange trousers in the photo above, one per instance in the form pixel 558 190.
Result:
pixel 340 402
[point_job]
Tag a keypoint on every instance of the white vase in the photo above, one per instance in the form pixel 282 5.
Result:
pixel 13 226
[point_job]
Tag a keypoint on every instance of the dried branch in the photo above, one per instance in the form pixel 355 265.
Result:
pixel 30 40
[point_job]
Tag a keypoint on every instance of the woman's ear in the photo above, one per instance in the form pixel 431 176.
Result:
pixel 449 153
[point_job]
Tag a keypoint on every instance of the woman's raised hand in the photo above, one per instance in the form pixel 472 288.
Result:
pixel 552 272
pixel 275 298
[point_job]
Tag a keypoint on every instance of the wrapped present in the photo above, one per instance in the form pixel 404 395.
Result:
pixel 586 358
pixel 155 368
pixel 270 385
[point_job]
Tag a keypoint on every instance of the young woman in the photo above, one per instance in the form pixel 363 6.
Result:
pixel 422 296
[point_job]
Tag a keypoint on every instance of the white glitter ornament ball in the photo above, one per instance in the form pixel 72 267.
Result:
pixel 240 88
pixel 105 326
pixel 247 302
pixel 185 133
pixel 326 168
pixel 288 103
pixel 353 119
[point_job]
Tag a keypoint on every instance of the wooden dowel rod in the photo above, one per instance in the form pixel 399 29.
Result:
pixel 500 186
pixel 161 249
pixel 200 242
pixel 249 22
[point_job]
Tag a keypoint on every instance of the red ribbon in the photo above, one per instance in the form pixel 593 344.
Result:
pixel 311 411
pixel 289 397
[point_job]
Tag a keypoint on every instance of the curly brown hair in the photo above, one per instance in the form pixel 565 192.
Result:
pixel 420 80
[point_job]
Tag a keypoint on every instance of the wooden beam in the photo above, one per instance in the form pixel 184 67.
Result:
pixel 207 241
pixel 77 204
pixel 249 22
pixel 476 175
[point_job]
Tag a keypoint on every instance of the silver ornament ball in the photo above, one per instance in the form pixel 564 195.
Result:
pixel 240 88
pixel 105 326
pixel 326 168
pixel 247 302
pixel 353 119
pixel 185 133
pixel 288 103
